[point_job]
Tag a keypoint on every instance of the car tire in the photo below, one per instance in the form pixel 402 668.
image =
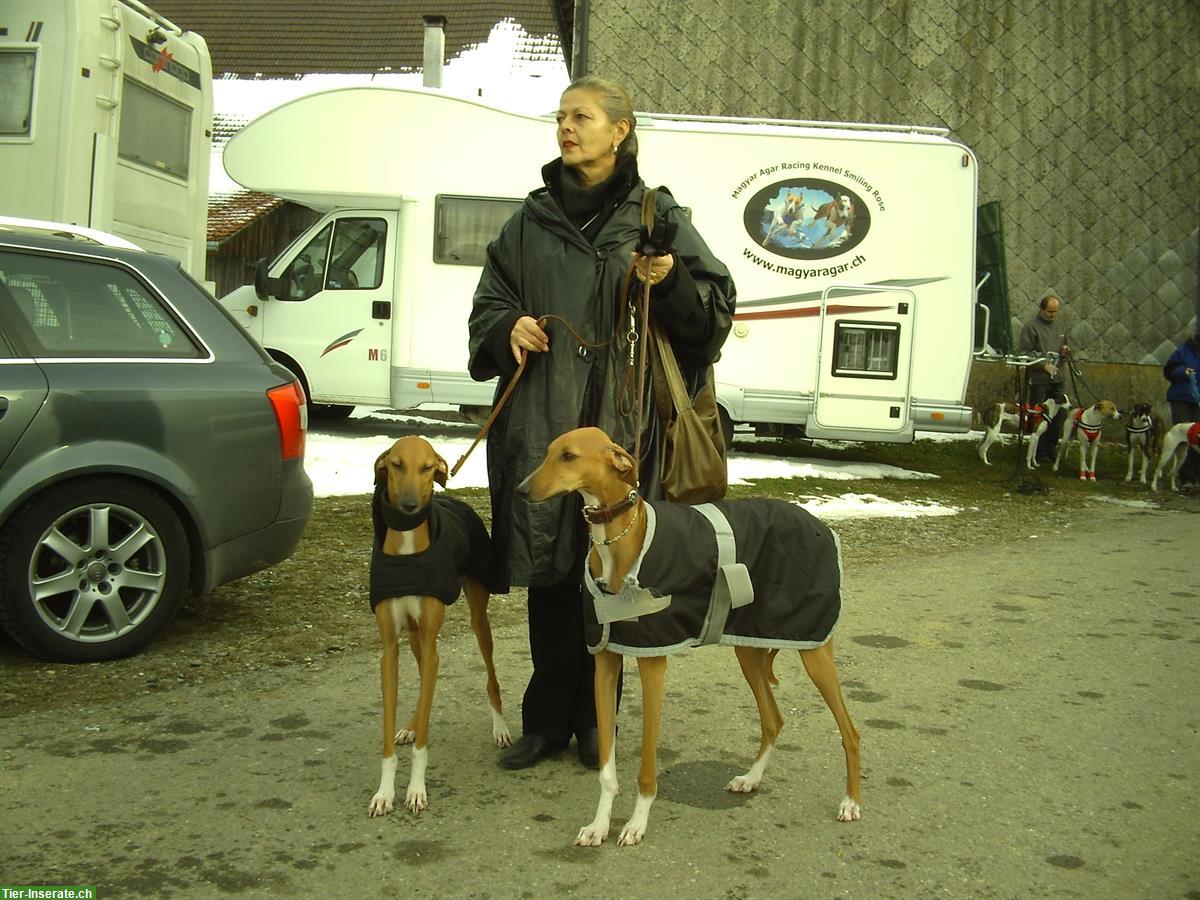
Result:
pixel 93 570
pixel 329 412
pixel 726 427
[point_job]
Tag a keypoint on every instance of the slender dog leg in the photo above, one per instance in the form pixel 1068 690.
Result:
pixel 408 733
pixel 1032 447
pixel 989 438
pixel 433 611
pixel 756 667
pixel 608 669
pixel 822 669
pixel 389 660
pixel 653 671
pixel 477 599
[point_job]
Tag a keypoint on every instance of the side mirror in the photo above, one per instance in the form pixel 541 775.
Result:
pixel 261 279
pixel 266 287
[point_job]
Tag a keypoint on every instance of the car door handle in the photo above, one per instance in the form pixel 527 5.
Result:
pixel 3 406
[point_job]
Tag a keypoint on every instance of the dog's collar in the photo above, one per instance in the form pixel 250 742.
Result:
pixel 625 531
pixel 396 520
pixel 1137 429
pixel 599 515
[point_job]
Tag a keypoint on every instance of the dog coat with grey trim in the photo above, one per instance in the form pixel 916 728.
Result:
pixel 794 566
pixel 458 545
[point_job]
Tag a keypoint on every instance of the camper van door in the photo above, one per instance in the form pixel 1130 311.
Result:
pixel 864 366
pixel 332 306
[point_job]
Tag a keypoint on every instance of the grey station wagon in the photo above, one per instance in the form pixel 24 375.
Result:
pixel 148 446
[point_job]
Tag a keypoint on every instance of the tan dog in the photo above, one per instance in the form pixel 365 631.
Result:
pixel 587 461
pixel 405 506
pixel 1084 425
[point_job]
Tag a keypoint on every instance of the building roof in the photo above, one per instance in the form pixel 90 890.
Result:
pixel 282 38
pixel 230 213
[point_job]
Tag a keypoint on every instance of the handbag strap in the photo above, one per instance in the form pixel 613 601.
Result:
pixel 669 375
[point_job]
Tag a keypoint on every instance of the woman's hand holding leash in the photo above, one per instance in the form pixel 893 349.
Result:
pixel 654 269
pixel 527 335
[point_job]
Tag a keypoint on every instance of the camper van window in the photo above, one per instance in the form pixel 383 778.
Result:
pixel 305 275
pixel 85 309
pixel 357 259
pixel 866 349
pixel 464 226
pixel 155 130
pixel 16 92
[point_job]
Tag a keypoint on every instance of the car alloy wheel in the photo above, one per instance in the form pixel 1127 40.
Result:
pixel 93 570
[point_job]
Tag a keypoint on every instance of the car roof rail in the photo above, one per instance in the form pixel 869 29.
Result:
pixel 64 230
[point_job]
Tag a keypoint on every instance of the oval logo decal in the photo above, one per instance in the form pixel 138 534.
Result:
pixel 807 219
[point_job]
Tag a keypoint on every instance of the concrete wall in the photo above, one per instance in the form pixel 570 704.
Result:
pixel 1085 116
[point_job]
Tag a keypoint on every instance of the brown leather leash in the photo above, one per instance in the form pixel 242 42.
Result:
pixel 512 383
pixel 636 367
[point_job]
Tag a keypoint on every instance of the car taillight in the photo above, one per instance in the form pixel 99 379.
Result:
pixel 291 414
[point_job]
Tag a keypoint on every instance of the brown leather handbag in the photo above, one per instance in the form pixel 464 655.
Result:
pixel 693 445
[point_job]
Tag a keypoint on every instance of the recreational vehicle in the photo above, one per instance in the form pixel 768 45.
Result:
pixel 852 247
pixel 105 122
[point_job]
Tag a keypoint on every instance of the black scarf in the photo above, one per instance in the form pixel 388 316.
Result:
pixel 588 208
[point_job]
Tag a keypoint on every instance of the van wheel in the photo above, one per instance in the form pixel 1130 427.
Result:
pixel 92 570
pixel 330 412
pixel 726 427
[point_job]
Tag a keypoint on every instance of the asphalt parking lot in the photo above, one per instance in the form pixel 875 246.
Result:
pixel 1022 736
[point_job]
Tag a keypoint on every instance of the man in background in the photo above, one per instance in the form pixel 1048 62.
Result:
pixel 1046 335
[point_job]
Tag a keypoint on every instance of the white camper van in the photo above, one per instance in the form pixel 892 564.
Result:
pixel 105 122
pixel 852 247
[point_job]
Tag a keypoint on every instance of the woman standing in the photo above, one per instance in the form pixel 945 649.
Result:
pixel 566 253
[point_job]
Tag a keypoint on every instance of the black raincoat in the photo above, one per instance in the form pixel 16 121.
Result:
pixel 542 264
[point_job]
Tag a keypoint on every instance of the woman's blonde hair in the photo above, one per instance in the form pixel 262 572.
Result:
pixel 616 105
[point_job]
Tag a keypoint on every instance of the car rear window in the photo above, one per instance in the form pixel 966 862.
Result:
pixel 82 308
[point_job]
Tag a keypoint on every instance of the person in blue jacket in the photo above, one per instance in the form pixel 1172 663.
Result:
pixel 1183 371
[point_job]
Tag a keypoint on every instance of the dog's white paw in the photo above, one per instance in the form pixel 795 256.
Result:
pixel 849 811
pixel 631 834
pixel 405 736
pixel 381 803
pixel 416 800
pixel 500 733
pixel 743 784
pixel 592 835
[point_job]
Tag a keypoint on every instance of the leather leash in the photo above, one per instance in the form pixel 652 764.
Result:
pixel 633 336
pixel 512 383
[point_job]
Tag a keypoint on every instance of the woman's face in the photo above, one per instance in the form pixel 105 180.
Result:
pixel 586 135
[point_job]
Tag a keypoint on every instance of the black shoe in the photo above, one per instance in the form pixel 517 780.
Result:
pixel 528 751
pixel 589 748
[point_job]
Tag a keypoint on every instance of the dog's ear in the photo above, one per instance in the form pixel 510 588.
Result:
pixel 381 467
pixel 619 459
pixel 441 471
